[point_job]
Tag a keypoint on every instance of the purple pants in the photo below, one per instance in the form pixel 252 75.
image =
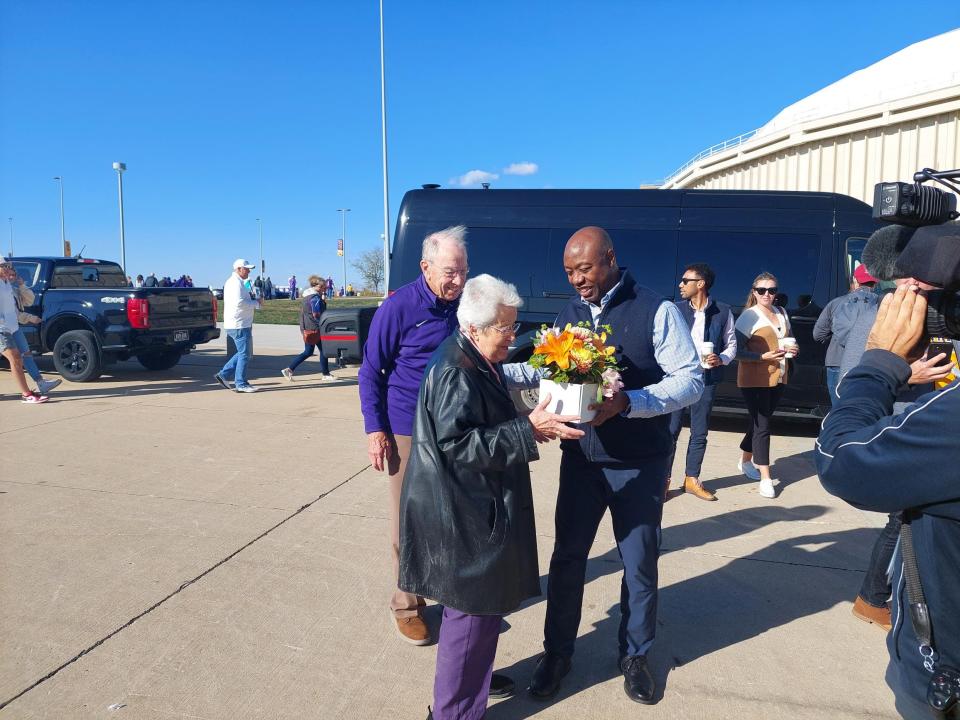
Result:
pixel 465 653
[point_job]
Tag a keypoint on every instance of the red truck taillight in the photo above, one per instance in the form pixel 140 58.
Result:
pixel 138 313
pixel 214 309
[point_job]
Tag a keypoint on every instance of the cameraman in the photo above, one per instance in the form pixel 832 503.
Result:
pixel 910 461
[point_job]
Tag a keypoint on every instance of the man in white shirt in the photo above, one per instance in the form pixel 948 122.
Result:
pixel 239 303
pixel 710 322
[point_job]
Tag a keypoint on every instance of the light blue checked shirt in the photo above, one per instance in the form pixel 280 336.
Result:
pixel 674 351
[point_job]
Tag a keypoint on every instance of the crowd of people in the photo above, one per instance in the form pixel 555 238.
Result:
pixel 151 280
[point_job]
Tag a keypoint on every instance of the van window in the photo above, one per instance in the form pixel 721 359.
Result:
pixel 514 255
pixel 106 275
pixel 738 257
pixel 29 272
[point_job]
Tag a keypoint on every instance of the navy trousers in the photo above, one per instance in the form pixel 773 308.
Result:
pixel 635 498
pixel 699 425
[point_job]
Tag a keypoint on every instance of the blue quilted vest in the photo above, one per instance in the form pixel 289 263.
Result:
pixel 715 318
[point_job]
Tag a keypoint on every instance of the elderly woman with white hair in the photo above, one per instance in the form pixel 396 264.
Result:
pixel 467 533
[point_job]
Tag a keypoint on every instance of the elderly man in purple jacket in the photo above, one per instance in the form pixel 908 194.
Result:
pixel 405 331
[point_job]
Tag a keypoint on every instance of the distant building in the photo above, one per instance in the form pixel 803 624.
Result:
pixel 884 122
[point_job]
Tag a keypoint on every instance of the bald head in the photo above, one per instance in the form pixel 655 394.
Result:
pixel 590 263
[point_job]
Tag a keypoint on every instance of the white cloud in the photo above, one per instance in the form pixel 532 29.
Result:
pixel 474 177
pixel 521 168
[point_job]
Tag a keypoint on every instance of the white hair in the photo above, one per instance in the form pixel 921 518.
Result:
pixel 455 235
pixel 481 299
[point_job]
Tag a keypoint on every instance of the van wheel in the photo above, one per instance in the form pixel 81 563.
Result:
pixel 77 357
pixel 161 360
pixel 525 400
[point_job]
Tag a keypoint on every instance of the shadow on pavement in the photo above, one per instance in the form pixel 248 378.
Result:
pixel 774 586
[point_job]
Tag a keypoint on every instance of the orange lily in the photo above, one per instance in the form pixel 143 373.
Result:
pixel 557 348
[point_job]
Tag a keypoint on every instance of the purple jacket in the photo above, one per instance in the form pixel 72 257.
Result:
pixel 404 332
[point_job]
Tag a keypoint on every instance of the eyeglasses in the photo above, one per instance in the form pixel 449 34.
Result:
pixel 508 330
pixel 451 273
pixel 684 281
pixel 764 291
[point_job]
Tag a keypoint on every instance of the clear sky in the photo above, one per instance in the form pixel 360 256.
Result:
pixel 228 111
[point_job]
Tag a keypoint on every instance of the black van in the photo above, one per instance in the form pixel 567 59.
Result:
pixel 808 240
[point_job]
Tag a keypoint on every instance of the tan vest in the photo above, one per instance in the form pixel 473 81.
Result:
pixel 761 373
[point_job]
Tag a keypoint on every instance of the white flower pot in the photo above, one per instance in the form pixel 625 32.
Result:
pixel 570 398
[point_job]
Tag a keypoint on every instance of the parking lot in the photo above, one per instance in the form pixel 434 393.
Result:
pixel 174 550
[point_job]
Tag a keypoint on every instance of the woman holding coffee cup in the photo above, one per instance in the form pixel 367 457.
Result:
pixel 764 345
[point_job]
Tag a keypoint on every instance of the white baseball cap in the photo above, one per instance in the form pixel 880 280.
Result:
pixel 240 262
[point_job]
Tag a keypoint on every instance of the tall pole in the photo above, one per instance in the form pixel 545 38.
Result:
pixel 63 236
pixel 10 220
pixel 386 191
pixel 343 236
pixel 120 167
pixel 260 239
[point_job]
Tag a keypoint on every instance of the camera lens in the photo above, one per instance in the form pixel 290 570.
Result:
pixel 943 314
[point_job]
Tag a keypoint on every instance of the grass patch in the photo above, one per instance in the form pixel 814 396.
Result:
pixel 287 312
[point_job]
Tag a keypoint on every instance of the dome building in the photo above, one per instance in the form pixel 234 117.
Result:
pixel 882 123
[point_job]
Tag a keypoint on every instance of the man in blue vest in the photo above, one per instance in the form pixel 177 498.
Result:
pixel 619 463
pixel 709 322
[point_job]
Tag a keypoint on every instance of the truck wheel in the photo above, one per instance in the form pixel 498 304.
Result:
pixel 77 357
pixel 161 360
pixel 525 400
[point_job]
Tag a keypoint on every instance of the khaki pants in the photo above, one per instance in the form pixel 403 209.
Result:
pixel 402 603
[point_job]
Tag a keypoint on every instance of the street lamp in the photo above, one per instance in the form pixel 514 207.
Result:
pixel 63 237
pixel 120 167
pixel 260 237
pixel 10 220
pixel 343 237
pixel 383 128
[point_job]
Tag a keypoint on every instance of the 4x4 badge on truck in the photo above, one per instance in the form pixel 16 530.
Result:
pixel 117 300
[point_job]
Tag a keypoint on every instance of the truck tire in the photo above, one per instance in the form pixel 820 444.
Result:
pixel 161 360
pixel 77 357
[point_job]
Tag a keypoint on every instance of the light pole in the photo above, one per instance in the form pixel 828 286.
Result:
pixel 63 236
pixel 10 220
pixel 120 167
pixel 343 236
pixel 386 199
pixel 260 240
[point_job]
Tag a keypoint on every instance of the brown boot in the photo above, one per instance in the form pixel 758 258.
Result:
pixel 412 629
pixel 692 485
pixel 873 615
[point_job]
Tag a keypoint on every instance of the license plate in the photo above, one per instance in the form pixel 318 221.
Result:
pixel 181 336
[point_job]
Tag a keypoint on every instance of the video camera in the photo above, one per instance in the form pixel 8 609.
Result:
pixel 932 254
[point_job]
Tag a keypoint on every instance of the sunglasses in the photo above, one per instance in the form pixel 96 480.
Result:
pixel 764 291
pixel 684 281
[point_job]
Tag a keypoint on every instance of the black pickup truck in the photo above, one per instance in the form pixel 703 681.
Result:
pixel 91 317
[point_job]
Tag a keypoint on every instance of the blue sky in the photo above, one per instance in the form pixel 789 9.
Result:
pixel 229 111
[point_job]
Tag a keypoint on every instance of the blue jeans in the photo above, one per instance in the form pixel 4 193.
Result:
pixel 833 379
pixel 236 367
pixel 699 420
pixel 875 589
pixel 635 499
pixel 29 364
pixel 307 352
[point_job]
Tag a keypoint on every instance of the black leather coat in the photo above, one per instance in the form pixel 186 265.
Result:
pixel 467 532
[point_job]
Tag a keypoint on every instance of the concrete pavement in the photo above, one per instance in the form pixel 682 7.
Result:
pixel 174 550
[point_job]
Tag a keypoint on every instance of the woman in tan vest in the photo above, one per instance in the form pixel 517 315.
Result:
pixel 762 371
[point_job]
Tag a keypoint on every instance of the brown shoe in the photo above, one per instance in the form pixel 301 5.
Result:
pixel 413 629
pixel 873 615
pixel 692 485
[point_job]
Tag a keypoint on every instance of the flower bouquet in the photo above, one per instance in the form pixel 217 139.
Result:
pixel 580 368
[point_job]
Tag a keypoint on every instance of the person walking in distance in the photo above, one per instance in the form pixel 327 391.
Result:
pixel 763 347
pixel 239 305
pixel 405 331
pixel 712 330
pixel 311 309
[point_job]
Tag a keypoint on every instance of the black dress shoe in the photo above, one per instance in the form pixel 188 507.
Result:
pixel 551 669
pixel 500 687
pixel 637 681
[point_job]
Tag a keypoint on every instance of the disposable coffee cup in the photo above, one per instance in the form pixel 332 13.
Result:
pixel 706 349
pixel 788 344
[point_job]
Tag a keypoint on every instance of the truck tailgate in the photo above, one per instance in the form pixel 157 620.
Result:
pixel 180 308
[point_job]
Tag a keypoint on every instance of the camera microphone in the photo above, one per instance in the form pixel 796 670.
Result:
pixel 883 248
